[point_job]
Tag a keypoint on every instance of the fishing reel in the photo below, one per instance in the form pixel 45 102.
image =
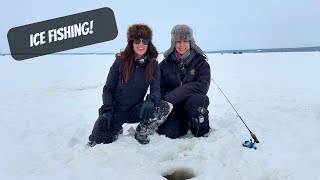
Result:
pixel 249 144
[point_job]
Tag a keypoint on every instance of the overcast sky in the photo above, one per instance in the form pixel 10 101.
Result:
pixel 217 25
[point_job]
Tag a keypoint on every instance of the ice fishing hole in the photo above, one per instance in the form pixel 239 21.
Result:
pixel 179 174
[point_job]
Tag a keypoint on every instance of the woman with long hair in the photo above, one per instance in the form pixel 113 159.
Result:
pixel 132 73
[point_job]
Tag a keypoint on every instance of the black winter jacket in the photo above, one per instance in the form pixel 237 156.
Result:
pixel 120 97
pixel 197 79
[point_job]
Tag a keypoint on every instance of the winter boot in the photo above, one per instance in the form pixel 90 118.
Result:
pixel 148 127
pixel 142 138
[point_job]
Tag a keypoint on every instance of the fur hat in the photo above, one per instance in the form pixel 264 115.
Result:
pixel 182 32
pixel 139 31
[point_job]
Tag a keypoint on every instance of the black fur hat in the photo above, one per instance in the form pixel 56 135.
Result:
pixel 182 32
pixel 139 31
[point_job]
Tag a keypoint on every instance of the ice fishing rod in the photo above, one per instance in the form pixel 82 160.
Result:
pixel 248 144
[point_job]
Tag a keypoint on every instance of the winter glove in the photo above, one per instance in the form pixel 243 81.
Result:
pixel 105 121
pixel 147 110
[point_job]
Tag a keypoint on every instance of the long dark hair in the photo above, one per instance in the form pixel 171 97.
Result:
pixel 128 57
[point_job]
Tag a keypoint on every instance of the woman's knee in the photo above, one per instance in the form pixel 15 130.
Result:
pixel 196 100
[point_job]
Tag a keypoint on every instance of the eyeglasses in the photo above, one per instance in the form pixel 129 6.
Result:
pixel 144 41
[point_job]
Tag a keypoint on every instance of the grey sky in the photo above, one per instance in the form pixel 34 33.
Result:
pixel 217 25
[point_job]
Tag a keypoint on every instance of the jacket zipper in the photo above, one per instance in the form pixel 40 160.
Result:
pixel 178 75
pixel 135 73
pixel 194 64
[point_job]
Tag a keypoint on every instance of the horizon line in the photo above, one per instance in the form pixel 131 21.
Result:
pixel 232 51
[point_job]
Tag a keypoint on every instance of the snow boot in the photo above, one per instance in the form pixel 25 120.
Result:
pixel 149 126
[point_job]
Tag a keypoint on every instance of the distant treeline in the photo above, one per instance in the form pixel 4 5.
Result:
pixel 239 51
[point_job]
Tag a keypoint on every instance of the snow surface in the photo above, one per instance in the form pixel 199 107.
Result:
pixel 49 105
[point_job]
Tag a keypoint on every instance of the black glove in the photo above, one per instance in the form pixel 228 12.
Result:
pixel 147 110
pixel 105 121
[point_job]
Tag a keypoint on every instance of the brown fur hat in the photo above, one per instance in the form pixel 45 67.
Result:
pixel 139 31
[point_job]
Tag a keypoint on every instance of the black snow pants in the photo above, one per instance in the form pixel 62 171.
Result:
pixel 145 127
pixel 191 114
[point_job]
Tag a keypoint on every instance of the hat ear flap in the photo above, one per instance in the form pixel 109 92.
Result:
pixel 170 50
pixel 195 47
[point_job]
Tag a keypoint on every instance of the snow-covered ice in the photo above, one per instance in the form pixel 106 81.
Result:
pixel 49 105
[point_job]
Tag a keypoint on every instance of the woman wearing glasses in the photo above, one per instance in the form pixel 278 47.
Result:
pixel 132 73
